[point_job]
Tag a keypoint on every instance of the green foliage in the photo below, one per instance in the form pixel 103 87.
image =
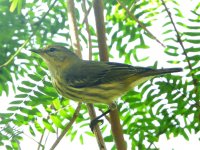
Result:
pixel 163 106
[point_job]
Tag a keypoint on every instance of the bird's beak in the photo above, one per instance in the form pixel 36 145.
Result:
pixel 39 51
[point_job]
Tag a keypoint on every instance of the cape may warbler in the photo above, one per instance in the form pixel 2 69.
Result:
pixel 91 81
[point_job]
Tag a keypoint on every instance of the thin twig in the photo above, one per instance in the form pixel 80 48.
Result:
pixel 195 82
pixel 45 141
pixel 68 126
pixel 73 28
pixel 161 132
pixel 87 29
pixel 32 139
pixel 40 142
pixel 24 44
pixel 17 52
pixel 140 23
pixel 86 11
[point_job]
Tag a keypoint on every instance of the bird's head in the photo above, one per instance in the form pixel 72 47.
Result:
pixel 57 56
pixel 55 53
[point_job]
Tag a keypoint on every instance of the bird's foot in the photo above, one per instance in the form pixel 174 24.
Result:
pixel 97 120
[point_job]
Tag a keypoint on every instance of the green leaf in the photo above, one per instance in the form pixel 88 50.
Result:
pixel 21 96
pixel 38 127
pixel 166 24
pixel 33 111
pixel 189 27
pixel 13 108
pixel 73 134
pixel 108 138
pixel 173 61
pixel 193 41
pixel 25 90
pixel 81 139
pixel 195 57
pixel 8 147
pixel 63 113
pixel 48 91
pixel 192 49
pixel 13 5
pixel 171 47
pixel 6 115
pixel 57 121
pixel 192 33
pixel 56 104
pixel 89 133
pixel 34 77
pixel 31 131
pixel 184 134
pixel 19 6
pixel 48 126
pixel 21 118
pixel 127 119
pixel 168 31
pixel 179 13
pixel 16 102
pixel 29 84
pixel 171 53
pixel 47 84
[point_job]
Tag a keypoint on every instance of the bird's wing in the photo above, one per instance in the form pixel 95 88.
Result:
pixel 91 73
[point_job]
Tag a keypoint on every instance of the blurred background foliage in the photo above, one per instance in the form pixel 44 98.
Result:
pixel 167 105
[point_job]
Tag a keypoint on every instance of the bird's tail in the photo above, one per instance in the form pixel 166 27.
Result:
pixel 155 72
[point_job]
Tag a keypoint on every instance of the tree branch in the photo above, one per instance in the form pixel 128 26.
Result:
pixel 73 27
pixel 67 126
pixel 97 130
pixel 101 33
pixel 87 29
pixel 114 116
pixel 140 23
pixel 195 82
pixel 40 142
pixel 76 46
pixel 24 44
pixel 90 107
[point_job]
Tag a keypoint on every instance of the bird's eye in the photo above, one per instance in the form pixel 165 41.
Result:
pixel 52 49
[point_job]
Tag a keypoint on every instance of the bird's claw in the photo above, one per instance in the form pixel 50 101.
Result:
pixel 94 122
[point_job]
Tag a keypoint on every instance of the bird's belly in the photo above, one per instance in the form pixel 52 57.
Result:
pixel 104 93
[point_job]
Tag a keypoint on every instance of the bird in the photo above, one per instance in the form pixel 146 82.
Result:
pixel 93 81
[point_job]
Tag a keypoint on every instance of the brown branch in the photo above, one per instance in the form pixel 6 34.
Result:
pixel 24 44
pixel 114 116
pixel 195 82
pixel 90 107
pixel 87 29
pixel 86 12
pixel 73 27
pixel 117 129
pixel 33 139
pixel 40 142
pixel 45 141
pixel 101 33
pixel 140 23
pixel 76 46
pixel 67 126
pixel 97 130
